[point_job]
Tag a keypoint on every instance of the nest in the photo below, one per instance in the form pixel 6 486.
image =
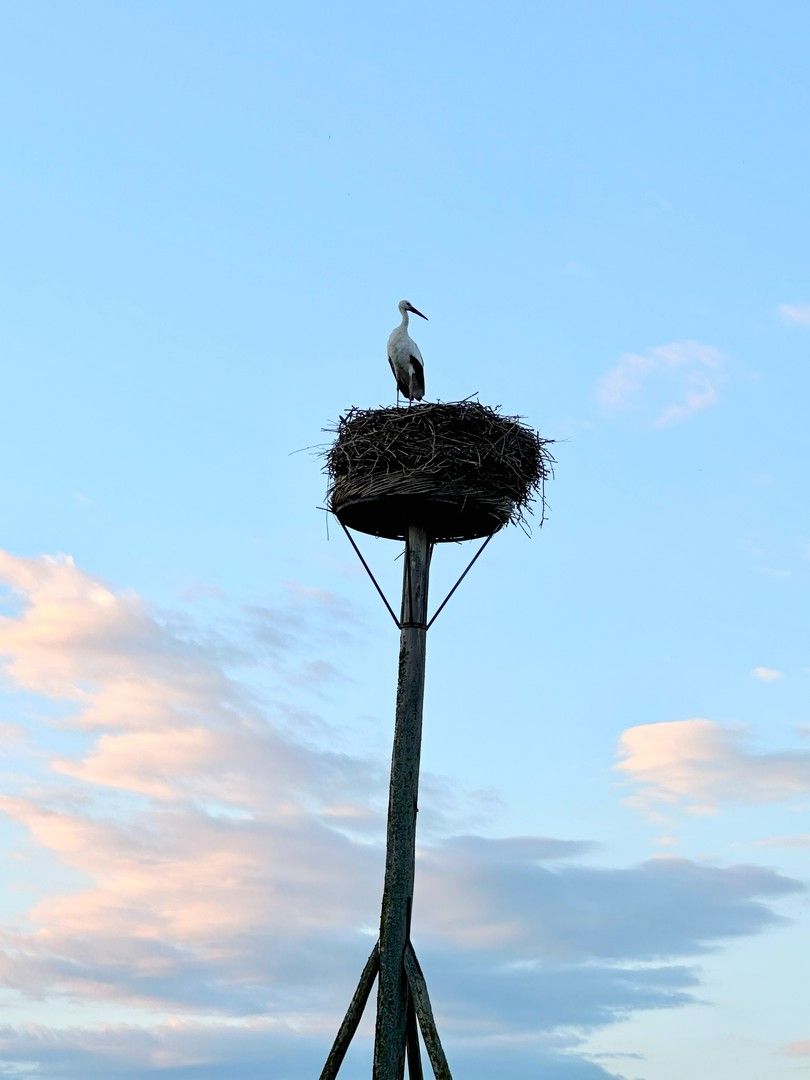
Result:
pixel 460 469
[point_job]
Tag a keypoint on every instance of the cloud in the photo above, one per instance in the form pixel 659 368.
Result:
pixel 560 913
pixel 168 721
pixel 698 765
pixel 210 867
pixel 800 1048
pixel 667 383
pixel 801 840
pixel 193 1051
pixel 222 793
pixel 12 735
pixel 797 314
pixel 187 1050
pixel 767 674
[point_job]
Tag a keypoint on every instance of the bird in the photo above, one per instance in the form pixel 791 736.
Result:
pixel 404 357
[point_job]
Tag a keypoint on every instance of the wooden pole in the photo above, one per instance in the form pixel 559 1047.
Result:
pixel 395 918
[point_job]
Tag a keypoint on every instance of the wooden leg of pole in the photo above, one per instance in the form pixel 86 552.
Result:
pixel 392 994
pixel 424 1013
pixel 352 1017
pixel 412 1038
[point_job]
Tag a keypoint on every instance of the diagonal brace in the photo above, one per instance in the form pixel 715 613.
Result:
pixel 397 622
pixel 470 565
pixel 424 1014
pixel 367 568
pixel 412 1045
pixel 353 1016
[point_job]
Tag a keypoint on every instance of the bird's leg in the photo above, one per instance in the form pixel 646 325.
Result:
pixel 397 397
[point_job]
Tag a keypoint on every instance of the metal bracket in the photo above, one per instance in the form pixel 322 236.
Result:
pixel 470 564
pixel 400 625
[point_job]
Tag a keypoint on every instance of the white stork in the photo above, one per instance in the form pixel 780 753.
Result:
pixel 405 359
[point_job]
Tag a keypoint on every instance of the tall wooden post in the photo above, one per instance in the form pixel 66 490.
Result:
pixel 395 919
pixel 388 467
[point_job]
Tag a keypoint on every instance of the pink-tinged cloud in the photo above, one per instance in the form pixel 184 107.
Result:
pixel 79 641
pixel 698 765
pixel 800 1048
pixel 218 868
pixel 797 314
pixel 12 735
pixel 167 721
pixel 200 858
pixel 668 383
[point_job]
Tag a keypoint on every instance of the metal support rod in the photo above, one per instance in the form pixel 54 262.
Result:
pixel 359 554
pixel 392 994
pixel 470 565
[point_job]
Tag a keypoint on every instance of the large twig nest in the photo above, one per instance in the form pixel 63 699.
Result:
pixel 460 469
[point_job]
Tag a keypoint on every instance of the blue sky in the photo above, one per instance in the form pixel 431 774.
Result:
pixel 209 214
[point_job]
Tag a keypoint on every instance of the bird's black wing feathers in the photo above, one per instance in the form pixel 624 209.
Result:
pixel 403 387
pixel 418 380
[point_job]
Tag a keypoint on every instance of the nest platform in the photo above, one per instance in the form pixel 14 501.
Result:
pixel 459 468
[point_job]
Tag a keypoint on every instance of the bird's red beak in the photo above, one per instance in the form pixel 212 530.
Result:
pixel 417 312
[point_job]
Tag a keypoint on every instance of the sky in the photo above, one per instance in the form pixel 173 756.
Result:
pixel 209 213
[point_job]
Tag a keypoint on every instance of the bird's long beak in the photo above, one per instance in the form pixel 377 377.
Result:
pixel 417 312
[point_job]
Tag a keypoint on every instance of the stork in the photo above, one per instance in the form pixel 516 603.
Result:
pixel 405 359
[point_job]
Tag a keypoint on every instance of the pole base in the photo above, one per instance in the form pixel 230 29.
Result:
pixel 419 1009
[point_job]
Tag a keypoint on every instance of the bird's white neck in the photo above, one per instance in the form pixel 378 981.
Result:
pixel 404 323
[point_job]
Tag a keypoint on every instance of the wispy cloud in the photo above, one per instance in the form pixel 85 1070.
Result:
pixel 767 674
pixel 802 840
pixel 796 314
pixel 775 572
pixel 225 874
pixel 666 384
pixel 699 765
